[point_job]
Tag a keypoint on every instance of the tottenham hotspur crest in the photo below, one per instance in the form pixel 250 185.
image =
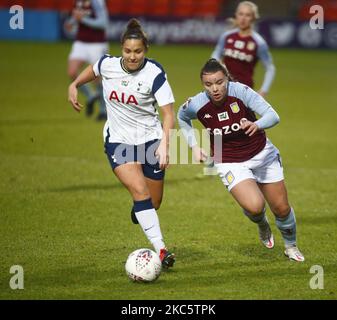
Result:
pixel 143 88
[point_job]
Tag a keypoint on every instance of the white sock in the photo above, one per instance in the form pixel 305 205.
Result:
pixel 148 220
pixel 287 227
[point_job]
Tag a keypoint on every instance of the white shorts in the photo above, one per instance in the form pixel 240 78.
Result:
pixel 265 167
pixel 88 52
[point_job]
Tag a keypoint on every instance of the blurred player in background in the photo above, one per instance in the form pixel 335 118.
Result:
pixel 90 17
pixel 241 48
pixel 246 160
pixel 136 143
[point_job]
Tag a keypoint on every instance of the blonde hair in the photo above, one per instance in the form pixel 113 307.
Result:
pixel 249 4
pixel 252 6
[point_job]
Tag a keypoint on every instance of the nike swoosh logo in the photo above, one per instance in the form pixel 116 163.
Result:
pixel 157 171
pixel 149 228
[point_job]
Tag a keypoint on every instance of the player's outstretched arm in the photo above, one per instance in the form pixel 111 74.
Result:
pixel 85 76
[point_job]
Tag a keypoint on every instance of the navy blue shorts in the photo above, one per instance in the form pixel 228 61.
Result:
pixel 121 153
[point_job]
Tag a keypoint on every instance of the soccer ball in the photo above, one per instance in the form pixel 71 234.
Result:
pixel 143 265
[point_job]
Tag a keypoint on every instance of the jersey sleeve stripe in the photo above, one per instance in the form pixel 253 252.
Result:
pixel 158 82
pixel 100 63
pixel 107 136
pixel 157 64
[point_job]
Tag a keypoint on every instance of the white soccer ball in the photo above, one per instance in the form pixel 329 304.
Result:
pixel 143 265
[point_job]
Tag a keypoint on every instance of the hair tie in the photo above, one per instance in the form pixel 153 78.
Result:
pixel 133 36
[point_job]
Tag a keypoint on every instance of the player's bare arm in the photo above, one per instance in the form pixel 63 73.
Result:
pixel 168 123
pixel 85 76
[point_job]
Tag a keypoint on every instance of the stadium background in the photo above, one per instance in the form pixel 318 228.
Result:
pixel 65 218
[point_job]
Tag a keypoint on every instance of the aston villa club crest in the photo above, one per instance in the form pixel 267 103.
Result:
pixel 229 177
pixel 250 45
pixel 235 107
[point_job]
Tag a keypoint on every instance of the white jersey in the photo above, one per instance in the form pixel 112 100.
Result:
pixel 131 99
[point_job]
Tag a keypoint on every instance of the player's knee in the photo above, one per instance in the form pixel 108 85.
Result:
pixel 281 210
pixel 139 191
pixel 256 207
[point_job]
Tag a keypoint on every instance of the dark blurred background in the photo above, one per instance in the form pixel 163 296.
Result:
pixel 283 23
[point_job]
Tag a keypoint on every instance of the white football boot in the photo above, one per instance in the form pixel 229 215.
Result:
pixel 293 253
pixel 266 236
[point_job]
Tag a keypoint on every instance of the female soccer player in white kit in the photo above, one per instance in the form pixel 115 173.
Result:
pixel 136 143
pixel 246 160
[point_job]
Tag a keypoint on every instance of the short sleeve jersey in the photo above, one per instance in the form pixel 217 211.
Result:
pixel 131 100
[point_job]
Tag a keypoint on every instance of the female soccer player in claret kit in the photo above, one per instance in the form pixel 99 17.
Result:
pixel 92 19
pixel 136 143
pixel 241 48
pixel 247 162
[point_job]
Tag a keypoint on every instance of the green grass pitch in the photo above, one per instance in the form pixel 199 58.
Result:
pixel 64 217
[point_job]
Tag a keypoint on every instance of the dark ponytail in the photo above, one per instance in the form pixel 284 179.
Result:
pixel 212 66
pixel 134 30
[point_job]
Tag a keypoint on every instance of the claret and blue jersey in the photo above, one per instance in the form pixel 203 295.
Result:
pixel 241 53
pixel 92 27
pixel 241 103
